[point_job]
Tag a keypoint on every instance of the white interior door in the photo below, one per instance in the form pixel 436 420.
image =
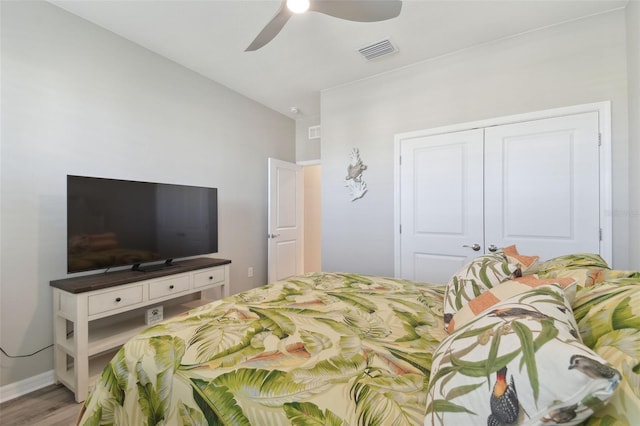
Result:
pixel 542 185
pixel 441 204
pixel 535 183
pixel 285 236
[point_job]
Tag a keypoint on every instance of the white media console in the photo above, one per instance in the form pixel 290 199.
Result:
pixel 94 315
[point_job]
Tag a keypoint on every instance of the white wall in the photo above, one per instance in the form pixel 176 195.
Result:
pixel 633 63
pixel 574 63
pixel 77 99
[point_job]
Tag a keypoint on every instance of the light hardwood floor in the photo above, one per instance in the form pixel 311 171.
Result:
pixel 50 406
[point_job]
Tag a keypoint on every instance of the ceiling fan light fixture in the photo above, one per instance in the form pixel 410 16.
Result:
pixel 350 10
pixel 298 6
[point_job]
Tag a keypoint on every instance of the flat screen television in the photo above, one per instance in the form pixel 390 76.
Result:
pixel 112 222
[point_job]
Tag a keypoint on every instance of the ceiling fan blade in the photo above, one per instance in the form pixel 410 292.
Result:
pixel 358 10
pixel 271 29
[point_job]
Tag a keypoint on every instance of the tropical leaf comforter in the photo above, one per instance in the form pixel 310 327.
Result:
pixel 335 349
pixel 325 349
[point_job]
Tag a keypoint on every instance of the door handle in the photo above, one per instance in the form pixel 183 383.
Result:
pixel 493 248
pixel 273 235
pixel 474 247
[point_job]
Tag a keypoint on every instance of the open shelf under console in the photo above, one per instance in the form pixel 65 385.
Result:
pixel 94 315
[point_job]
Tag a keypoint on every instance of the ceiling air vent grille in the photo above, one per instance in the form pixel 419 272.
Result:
pixel 378 49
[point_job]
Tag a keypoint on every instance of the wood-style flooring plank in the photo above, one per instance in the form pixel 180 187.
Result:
pixel 50 406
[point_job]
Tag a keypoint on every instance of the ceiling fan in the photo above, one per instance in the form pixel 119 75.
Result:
pixel 351 10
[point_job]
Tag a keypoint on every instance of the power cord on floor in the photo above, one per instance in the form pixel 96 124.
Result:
pixel 31 354
pixel 25 356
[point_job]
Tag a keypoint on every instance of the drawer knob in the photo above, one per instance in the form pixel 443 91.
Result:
pixel 171 287
pixel 118 299
pixel 210 278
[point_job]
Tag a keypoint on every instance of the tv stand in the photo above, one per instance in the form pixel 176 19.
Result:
pixel 155 267
pixel 94 315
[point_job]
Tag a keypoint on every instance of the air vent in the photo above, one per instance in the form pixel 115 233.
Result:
pixel 378 49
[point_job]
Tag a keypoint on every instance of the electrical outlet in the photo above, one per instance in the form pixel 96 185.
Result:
pixel 154 315
pixel 250 272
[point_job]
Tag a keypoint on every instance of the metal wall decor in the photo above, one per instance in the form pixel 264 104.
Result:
pixel 353 181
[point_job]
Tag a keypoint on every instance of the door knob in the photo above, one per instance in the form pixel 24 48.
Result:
pixel 274 235
pixel 474 247
pixel 493 248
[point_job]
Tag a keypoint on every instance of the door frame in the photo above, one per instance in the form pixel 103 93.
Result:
pixel 605 168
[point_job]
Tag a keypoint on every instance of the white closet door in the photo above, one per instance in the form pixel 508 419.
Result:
pixel 542 185
pixel 441 204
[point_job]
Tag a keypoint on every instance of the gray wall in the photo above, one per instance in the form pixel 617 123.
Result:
pixel 77 99
pixel 574 63
pixel 633 63
pixel 306 149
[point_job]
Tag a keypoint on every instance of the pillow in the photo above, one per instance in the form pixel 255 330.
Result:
pixel 608 317
pixel 624 406
pixel 520 362
pixel 587 277
pixel 504 291
pixel 580 260
pixel 478 276
pixel 527 264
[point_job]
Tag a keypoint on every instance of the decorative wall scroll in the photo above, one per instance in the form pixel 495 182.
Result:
pixel 353 181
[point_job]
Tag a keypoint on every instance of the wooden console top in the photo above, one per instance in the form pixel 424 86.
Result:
pixel 111 279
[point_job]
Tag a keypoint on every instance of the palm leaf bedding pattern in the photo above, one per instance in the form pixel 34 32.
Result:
pixel 349 349
pixel 318 349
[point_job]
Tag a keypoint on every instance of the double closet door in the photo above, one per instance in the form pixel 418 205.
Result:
pixel 462 194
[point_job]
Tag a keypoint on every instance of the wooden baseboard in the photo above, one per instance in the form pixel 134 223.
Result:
pixel 16 389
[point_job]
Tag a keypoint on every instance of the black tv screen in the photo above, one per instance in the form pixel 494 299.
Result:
pixel 113 222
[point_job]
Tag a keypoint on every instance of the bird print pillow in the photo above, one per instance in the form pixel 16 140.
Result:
pixel 506 290
pixel 521 362
pixel 527 264
pixel 478 276
pixel 608 318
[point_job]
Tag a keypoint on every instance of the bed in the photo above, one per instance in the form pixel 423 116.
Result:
pixel 350 349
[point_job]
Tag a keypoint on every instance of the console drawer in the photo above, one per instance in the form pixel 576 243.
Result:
pixel 202 279
pixel 168 287
pixel 115 299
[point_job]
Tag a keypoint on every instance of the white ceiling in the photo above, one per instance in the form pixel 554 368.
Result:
pixel 314 51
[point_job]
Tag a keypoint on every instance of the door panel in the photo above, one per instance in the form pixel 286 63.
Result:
pixel 441 204
pixel 285 249
pixel 542 185
pixel 534 184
